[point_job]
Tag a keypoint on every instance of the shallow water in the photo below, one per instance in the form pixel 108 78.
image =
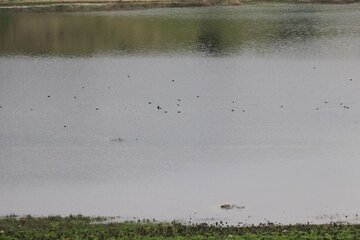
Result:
pixel 268 116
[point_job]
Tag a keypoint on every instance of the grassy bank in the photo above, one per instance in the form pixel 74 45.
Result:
pixel 110 5
pixel 80 227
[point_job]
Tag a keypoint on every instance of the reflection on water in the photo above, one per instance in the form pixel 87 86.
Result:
pixel 226 30
pixel 209 38
pixel 306 26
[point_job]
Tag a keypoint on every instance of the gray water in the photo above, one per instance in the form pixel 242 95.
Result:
pixel 259 107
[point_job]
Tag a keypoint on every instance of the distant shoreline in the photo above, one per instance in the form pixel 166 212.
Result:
pixel 112 5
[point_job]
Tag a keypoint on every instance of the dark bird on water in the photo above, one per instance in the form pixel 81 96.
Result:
pixel 158 107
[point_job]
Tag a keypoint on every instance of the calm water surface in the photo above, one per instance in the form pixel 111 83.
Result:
pixel 169 113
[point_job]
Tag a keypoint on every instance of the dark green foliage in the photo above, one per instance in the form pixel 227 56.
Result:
pixel 80 227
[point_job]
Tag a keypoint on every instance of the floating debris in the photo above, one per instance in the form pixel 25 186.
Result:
pixel 119 140
pixel 227 206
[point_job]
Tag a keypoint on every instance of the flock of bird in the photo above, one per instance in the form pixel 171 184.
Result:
pixel 179 101
pixel 158 107
pixel 243 110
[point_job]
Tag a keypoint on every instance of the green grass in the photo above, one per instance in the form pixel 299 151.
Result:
pixel 80 227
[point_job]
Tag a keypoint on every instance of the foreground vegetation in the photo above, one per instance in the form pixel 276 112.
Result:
pixel 80 227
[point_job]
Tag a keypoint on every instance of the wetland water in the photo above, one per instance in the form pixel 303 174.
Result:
pixel 169 113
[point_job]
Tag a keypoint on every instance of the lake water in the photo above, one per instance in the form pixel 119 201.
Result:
pixel 170 113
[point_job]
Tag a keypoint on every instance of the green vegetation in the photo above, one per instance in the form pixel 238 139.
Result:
pixel 80 227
